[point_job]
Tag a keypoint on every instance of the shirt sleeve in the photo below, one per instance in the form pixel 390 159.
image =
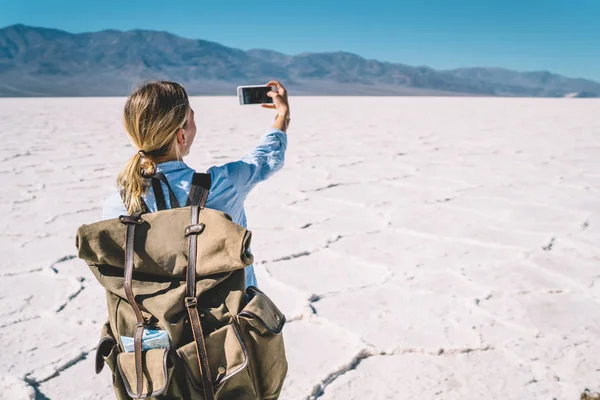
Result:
pixel 113 207
pixel 259 164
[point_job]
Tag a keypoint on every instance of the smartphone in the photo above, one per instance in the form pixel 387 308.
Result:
pixel 254 94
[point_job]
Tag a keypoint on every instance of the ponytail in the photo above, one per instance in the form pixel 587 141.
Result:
pixel 133 184
pixel 153 115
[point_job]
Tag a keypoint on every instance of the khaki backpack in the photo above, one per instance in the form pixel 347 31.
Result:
pixel 166 270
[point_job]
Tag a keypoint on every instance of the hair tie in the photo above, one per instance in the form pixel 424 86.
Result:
pixel 147 165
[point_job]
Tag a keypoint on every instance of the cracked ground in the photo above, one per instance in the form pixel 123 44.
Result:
pixel 420 247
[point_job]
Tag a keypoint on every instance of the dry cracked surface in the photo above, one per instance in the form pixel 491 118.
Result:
pixel 420 247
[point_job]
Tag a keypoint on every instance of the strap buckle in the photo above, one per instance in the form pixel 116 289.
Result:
pixel 191 302
pixel 194 229
pixel 130 219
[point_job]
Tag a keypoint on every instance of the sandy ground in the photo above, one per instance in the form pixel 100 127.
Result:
pixel 421 247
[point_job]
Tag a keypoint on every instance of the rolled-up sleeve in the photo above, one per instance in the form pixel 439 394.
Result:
pixel 259 164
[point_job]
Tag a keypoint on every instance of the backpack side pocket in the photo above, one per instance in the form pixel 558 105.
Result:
pixel 106 353
pixel 261 323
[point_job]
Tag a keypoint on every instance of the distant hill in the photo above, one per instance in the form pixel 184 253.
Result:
pixel 49 62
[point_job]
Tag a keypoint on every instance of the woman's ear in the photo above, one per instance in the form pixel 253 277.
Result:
pixel 181 140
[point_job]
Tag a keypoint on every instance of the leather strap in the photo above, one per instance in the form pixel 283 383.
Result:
pixel 192 232
pixel 161 203
pixel 131 221
pixel 199 182
pixel 207 385
pixel 197 198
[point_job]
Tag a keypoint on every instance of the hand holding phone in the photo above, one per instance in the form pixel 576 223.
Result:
pixel 280 103
pixel 255 94
pixel 280 98
pixel 272 95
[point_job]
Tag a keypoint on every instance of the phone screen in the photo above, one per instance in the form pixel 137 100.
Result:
pixel 256 95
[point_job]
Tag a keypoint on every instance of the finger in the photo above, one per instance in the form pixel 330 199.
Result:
pixel 273 94
pixel 271 106
pixel 280 89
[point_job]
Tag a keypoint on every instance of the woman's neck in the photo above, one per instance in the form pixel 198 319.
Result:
pixel 164 159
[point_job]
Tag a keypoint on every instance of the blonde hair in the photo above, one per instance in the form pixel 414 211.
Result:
pixel 153 115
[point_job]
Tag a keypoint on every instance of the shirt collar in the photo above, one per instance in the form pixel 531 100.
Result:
pixel 169 166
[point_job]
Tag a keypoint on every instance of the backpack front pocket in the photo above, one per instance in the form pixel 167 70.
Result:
pixel 156 372
pixel 261 324
pixel 227 359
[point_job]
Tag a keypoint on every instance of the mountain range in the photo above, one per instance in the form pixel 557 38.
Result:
pixel 49 62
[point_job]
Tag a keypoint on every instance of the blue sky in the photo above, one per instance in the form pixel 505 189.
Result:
pixel 559 36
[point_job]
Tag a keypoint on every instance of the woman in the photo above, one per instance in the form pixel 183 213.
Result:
pixel 160 123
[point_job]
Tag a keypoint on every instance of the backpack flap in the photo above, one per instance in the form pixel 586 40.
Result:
pixel 161 245
pixel 155 367
pixel 261 313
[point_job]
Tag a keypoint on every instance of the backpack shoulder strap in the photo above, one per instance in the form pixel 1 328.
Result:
pixel 200 189
pixel 159 194
pixel 197 199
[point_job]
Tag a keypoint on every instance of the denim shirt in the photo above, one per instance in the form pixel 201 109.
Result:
pixel 230 184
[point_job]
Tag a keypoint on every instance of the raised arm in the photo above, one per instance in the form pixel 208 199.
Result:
pixel 268 156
